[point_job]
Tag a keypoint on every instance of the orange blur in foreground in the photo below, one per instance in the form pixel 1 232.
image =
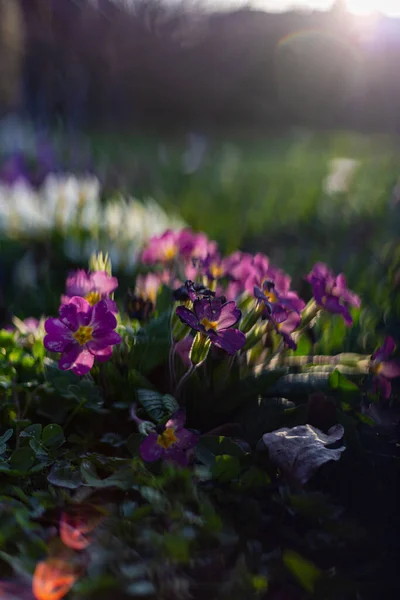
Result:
pixel 74 528
pixel 52 579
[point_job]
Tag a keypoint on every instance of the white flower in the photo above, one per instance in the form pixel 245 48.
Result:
pixel 301 450
pixel 341 174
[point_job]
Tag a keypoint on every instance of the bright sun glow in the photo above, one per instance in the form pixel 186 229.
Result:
pixel 365 7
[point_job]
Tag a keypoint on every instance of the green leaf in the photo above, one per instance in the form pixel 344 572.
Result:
pixel 306 573
pixel 170 404
pixel 22 459
pixel 253 478
pixel 60 380
pixel 6 436
pixel 63 474
pixel 32 431
pixel 37 447
pixel 340 383
pixel 53 436
pixel 124 478
pixel 152 402
pixel 38 350
pixel 226 468
pixel 304 346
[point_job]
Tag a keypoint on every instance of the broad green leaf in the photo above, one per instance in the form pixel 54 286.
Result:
pixel 253 478
pixel 340 383
pixel 53 436
pixel 63 474
pixel 170 404
pixel 32 431
pixel 22 459
pixel 152 402
pixel 306 573
pixel 124 478
pixel 6 436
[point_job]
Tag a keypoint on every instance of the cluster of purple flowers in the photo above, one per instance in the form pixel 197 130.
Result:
pixel 189 256
pixel 211 291
pixel 85 329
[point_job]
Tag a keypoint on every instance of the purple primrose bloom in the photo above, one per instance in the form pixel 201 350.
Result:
pixel 285 323
pixel 330 292
pixel 170 442
pixel 183 244
pixel 93 287
pixel 384 369
pixel 82 333
pixel 215 319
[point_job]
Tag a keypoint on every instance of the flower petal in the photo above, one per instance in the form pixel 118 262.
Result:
pixel 186 439
pixel 149 449
pixel 83 363
pixel 104 354
pixel 102 282
pixel 58 343
pixel 230 340
pixel 389 369
pixel 385 350
pixel 69 356
pixel 176 456
pixel 77 312
pixel 102 339
pixel 177 420
pixel 229 315
pixel 382 385
pixel 102 317
pixel 188 317
pixel 57 331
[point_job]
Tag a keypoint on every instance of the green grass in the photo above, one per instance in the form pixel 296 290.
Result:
pixel 271 197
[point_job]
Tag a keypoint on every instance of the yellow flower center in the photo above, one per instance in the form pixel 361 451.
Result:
pixel 216 271
pixel 170 252
pixel 209 325
pixel 93 298
pixel 167 438
pixel 83 335
pixel 270 296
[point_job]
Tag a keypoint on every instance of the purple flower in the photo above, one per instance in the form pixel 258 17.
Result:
pixel 276 302
pixel 184 244
pixel 82 333
pixel 163 248
pixel 147 287
pixel 91 286
pixel 215 319
pixel 383 369
pixel 271 286
pixel 285 323
pixel 330 292
pixel 195 245
pixel 170 441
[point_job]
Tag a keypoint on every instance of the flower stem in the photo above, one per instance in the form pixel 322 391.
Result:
pixel 184 378
pixel 171 361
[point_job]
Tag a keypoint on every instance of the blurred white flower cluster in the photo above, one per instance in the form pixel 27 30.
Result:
pixel 341 174
pixel 72 206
